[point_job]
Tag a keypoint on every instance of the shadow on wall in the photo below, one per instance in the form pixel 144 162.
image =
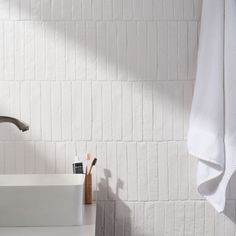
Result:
pixel 230 206
pixel 113 216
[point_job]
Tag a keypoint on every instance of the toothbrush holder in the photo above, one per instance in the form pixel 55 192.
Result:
pixel 88 189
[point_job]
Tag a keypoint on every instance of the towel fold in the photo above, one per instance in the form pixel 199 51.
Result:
pixel 212 129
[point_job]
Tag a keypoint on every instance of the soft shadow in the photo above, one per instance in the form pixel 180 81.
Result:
pixel 230 206
pixel 113 216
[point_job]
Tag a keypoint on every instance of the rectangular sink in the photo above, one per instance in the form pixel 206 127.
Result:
pixel 41 200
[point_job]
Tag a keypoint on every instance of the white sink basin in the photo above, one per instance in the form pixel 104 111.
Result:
pixel 41 200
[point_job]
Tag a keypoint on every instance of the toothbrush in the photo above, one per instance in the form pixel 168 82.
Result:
pixel 93 164
pixel 88 158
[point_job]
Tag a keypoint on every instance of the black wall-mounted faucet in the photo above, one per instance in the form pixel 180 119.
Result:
pixel 18 123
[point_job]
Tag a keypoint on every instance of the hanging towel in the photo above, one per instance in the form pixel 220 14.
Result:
pixel 212 129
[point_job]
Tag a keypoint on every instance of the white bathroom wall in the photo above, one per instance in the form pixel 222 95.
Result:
pixel 114 78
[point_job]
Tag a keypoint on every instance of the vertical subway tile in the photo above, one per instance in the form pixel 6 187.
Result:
pixel 157 111
pixel 66 112
pixel 188 93
pixel 107 111
pixel 182 50
pixel 189 218
pixel 172 50
pixel 100 218
pixel 173 170
pixel 137 10
pixel 117 10
pixel 183 166
pixel 60 55
pixel 132 171
pixel 142 171
pixel 56 9
pixel 66 9
pixel 159 218
pixel 111 51
pixel 116 110
pixel 122 177
pixel 60 157
pixel 127 9
pixel 35 108
pixel 101 51
pixel 86 111
pixel 91 62
pixel 70 51
pixel 9 156
pixel 76 9
pixel 142 57
pixel 162 56
pixel 131 49
pixel 76 107
pixel 178 9
pixel 151 51
pixel 25 11
pixel 29 51
pixel 35 6
pixel 50 49
pixel 97 111
pixel 169 218
pixel 56 107
pixel 109 224
pixel 158 7
pixel 50 153
pixel 111 168
pixel 102 178
pixel 148 10
pixel 80 51
pixel 46 110
pixel 29 158
pixel 9 48
pixel 210 220
pixel 107 9
pixel 39 51
pixel 188 9
pixel 14 9
pixel 127 116
pixel 167 91
pixel 178 111
pixel 163 171
pixel 192 49
pixel 97 9
pixel 219 224
pixel 152 171
pixel 199 218
pixel 46 6
pixel 86 9
pixel 19 161
pixel 149 213
pixel 138 218
pixel 179 218
pixel 4 9
pixel 70 156
pixel 121 50
pixel 147 111
pixel 137 111
pixel 40 161
pixel 120 213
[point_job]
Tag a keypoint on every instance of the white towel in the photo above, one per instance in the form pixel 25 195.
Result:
pixel 212 130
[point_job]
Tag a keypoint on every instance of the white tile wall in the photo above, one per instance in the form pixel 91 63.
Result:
pixel 114 78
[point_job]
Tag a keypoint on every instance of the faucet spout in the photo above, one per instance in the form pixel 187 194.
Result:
pixel 18 123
